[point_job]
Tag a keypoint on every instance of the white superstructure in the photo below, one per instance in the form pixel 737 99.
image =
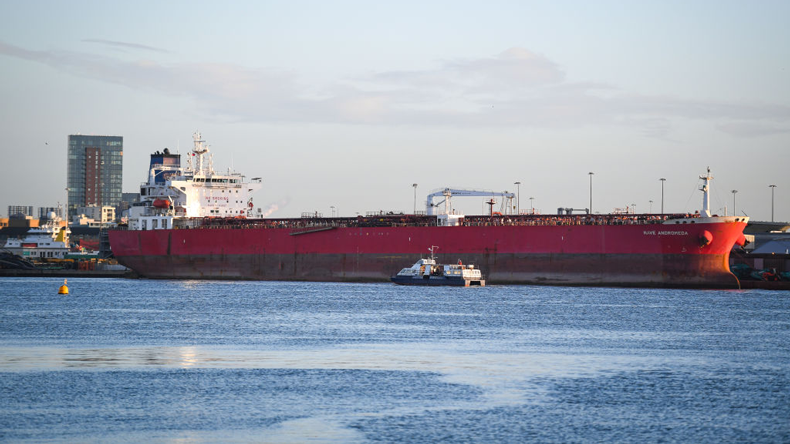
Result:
pixel 195 191
pixel 50 241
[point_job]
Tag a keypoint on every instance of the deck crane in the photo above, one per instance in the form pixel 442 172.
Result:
pixel 448 193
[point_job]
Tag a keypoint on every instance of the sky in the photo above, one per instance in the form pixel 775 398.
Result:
pixel 341 106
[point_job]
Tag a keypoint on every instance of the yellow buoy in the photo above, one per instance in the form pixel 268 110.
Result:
pixel 63 288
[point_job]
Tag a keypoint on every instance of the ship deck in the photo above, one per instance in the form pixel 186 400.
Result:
pixel 310 224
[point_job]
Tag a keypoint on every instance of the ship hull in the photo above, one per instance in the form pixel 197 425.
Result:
pixel 647 255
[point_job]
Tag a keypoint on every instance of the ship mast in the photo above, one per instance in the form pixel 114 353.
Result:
pixel 198 151
pixel 706 193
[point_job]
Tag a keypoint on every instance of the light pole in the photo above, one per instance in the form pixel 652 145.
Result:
pixel 333 210
pixel 773 187
pixel 651 207
pixel 531 208
pixel 734 210
pixel 65 214
pixel 662 194
pixel 518 197
pixel 591 208
pixel 415 198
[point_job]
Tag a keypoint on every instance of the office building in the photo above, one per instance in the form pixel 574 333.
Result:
pixel 95 172
pixel 17 210
pixel 102 215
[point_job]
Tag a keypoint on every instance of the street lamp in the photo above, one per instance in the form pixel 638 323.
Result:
pixel 662 194
pixel 518 197
pixel 651 207
pixel 734 210
pixel 333 210
pixel 531 208
pixel 65 215
pixel 415 198
pixel 773 187
pixel 591 175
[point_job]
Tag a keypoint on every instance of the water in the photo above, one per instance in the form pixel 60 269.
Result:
pixel 197 361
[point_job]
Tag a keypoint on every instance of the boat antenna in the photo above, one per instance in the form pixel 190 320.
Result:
pixel 433 247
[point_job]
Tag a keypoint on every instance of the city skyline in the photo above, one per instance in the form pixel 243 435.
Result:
pixel 343 107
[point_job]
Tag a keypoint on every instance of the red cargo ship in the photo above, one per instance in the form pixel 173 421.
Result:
pixel 193 223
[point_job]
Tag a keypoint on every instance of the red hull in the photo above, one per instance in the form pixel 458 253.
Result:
pixel 671 255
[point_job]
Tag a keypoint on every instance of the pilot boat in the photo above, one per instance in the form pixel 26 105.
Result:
pixel 427 272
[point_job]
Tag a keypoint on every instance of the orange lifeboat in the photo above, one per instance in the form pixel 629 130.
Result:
pixel 161 203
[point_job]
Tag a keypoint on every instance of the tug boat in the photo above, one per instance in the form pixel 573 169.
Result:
pixel 428 272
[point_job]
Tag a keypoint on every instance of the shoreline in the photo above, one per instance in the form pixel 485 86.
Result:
pixel 127 274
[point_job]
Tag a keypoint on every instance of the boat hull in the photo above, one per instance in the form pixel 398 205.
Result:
pixel 650 255
pixel 438 281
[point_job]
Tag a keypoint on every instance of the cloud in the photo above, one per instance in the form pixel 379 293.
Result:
pixel 125 45
pixel 752 129
pixel 217 88
pixel 516 88
pixel 515 68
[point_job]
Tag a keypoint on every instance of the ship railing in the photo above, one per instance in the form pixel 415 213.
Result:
pixel 568 220
pixel 385 221
pixel 383 213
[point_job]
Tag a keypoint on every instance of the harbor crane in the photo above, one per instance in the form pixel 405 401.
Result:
pixel 448 193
